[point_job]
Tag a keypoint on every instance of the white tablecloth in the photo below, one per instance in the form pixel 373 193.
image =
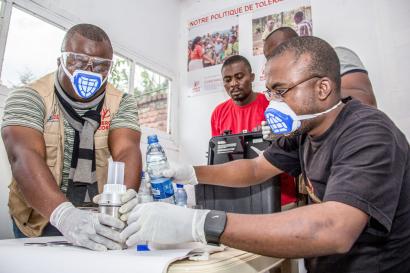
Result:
pixel 15 257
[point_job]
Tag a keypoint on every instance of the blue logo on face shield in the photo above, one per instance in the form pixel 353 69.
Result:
pixel 86 83
pixel 279 122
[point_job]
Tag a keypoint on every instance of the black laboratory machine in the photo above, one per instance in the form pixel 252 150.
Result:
pixel 259 199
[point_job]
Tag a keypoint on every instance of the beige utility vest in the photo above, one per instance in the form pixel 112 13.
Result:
pixel 28 220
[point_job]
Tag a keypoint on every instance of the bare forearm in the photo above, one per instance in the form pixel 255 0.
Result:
pixel 36 182
pixel 133 167
pixel 358 86
pixel 302 232
pixel 124 146
pixel 361 95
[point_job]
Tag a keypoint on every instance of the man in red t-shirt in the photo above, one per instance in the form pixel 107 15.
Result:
pixel 244 111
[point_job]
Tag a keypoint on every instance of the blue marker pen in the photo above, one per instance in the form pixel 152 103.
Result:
pixel 142 247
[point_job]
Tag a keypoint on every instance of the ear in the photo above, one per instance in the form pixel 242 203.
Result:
pixel 252 77
pixel 324 88
pixel 58 61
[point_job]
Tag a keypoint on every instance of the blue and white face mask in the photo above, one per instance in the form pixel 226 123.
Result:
pixel 283 120
pixel 85 83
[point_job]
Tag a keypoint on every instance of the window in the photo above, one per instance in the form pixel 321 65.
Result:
pixel 152 92
pixel 33 46
pixel 32 49
pixel 120 73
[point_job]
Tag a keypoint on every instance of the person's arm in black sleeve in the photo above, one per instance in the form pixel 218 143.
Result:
pixel 284 154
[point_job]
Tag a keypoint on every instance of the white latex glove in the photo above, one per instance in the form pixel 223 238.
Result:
pixel 87 229
pixel 164 223
pixel 182 174
pixel 129 201
pixel 266 131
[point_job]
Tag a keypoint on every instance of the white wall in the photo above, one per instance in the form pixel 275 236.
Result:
pixel 378 30
pixel 146 30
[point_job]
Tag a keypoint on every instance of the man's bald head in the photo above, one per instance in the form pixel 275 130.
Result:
pixel 275 38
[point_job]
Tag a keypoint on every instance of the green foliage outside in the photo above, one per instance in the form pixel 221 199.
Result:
pixel 119 74
pixel 146 82
pixel 151 84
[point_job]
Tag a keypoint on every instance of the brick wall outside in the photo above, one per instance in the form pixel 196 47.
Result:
pixel 153 110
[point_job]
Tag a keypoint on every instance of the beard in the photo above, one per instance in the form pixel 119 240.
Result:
pixel 306 126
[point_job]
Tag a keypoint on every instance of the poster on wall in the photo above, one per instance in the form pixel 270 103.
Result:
pixel 208 46
pixel 296 15
pixel 239 30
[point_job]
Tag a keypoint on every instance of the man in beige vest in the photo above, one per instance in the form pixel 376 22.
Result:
pixel 59 133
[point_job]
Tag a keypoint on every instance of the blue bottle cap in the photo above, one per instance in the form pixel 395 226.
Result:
pixel 142 248
pixel 152 139
pixel 180 186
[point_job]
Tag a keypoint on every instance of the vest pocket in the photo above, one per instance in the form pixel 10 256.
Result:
pixel 19 209
pixel 51 141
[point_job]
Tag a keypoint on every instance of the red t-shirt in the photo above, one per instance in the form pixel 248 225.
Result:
pixel 229 116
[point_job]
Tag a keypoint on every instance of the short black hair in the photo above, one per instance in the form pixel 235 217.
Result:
pixel 237 59
pixel 323 58
pixel 88 31
pixel 288 31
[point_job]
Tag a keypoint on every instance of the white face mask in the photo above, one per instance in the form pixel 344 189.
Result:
pixel 283 120
pixel 85 83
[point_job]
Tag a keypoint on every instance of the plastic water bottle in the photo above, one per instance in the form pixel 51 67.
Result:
pixel 181 196
pixel 156 160
pixel 144 193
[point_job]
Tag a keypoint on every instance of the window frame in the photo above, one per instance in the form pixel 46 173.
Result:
pixel 130 81
pixel 60 19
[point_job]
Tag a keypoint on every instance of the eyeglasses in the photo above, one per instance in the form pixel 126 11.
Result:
pixel 73 61
pixel 278 93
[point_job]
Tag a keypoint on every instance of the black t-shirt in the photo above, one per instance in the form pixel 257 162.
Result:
pixel 362 160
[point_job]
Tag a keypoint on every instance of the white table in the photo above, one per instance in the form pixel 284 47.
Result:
pixel 16 257
pixel 231 261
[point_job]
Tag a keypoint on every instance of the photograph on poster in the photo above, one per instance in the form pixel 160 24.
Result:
pixel 299 19
pixel 212 48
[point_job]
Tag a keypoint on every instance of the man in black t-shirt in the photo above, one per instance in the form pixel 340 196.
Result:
pixel 355 160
